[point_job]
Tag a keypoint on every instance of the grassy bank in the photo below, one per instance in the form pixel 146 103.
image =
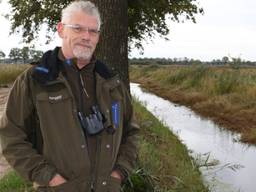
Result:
pixel 165 157
pixel 225 94
pixel 9 72
pixel 163 161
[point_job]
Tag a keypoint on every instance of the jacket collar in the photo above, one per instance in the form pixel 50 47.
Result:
pixel 51 65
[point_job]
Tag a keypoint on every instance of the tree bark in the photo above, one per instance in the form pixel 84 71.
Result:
pixel 113 45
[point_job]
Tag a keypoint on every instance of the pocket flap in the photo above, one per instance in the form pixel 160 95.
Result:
pixel 52 97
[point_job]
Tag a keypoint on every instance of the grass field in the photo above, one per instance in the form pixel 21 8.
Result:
pixel 225 94
pixel 9 72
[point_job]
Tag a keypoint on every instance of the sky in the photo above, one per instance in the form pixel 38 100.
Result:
pixel 227 28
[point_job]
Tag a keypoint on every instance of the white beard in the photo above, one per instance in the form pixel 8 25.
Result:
pixel 83 53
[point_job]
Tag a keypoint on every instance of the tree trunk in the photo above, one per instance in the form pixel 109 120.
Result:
pixel 113 46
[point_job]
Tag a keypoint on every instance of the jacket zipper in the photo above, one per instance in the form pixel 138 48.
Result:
pixel 95 166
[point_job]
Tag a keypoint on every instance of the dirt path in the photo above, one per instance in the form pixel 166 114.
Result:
pixel 4 167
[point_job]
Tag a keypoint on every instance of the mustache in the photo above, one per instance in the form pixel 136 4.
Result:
pixel 84 44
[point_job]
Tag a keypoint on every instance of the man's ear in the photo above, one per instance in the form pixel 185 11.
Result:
pixel 60 28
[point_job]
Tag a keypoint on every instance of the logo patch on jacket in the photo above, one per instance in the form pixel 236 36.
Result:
pixel 55 98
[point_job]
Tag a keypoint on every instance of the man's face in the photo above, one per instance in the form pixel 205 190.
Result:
pixel 79 36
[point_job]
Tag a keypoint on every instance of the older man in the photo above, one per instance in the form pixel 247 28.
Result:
pixel 68 124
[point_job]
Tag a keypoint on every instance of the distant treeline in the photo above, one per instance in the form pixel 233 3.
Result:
pixel 18 61
pixel 34 56
pixel 21 56
pixel 225 61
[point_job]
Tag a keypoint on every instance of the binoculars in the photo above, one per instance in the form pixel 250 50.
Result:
pixel 93 123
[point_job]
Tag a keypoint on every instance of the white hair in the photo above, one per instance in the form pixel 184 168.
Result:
pixel 85 6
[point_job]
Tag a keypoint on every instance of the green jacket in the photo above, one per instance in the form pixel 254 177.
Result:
pixel 49 111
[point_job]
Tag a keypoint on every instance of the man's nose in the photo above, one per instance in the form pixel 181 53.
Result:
pixel 86 33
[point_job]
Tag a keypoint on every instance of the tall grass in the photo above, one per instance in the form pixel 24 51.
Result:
pixel 208 80
pixel 226 83
pixel 9 72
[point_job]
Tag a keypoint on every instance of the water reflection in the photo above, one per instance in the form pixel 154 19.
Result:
pixel 236 168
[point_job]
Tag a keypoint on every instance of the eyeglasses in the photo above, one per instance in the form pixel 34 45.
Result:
pixel 80 29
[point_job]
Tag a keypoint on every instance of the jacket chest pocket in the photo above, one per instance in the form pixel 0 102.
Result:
pixel 54 109
pixel 53 101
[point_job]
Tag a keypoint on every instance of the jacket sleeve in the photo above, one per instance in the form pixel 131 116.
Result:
pixel 14 137
pixel 128 151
